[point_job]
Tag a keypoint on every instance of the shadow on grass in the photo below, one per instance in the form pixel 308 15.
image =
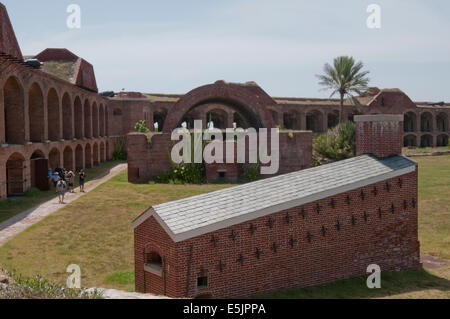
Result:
pixel 392 283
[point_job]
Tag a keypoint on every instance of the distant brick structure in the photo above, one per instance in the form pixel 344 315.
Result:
pixel 305 228
pixel 380 135
pixel 45 116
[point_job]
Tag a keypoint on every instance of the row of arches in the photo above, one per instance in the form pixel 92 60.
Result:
pixel 49 117
pixel 72 158
pixel 426 140
pixel 428 122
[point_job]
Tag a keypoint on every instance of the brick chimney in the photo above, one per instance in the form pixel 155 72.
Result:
pixel 380 135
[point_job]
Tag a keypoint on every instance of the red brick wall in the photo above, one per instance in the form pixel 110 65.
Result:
pixel 380 135
pixel 152 159
pixel 390 241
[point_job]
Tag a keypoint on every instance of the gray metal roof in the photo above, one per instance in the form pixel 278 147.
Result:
pixel 190 217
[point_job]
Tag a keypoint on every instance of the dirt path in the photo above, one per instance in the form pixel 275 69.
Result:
pixel 22 221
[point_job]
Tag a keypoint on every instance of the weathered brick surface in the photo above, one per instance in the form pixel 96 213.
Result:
pixel 388 239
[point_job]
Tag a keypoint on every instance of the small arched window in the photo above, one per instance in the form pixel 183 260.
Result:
pixel 153 263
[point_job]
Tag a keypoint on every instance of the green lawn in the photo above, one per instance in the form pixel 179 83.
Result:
pixel 11 207
pixel 95 233
pixel 425 150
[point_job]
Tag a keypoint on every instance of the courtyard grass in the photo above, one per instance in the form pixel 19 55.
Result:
pixel 95 232
pixel 425 150
pixel 34 197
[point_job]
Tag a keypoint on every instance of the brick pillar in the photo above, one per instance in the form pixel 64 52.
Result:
pixel 45 116
pixel 379 135
pixel 2 118
pixel 303 121
pixel 3 192
pixel 61 122
pixel 26 111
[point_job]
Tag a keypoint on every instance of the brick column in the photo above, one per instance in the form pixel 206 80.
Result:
pixel 3 191
pixel 2 118
pixel 45 116
pixel 26 108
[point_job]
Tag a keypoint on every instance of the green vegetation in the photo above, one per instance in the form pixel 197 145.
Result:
pixel 191 173
pixel 33 197
pixel 345 77
pixel 251 173
pixel 337 144
pixel 120 151
pixel 141 127
pixel 425 150
pixel 39 288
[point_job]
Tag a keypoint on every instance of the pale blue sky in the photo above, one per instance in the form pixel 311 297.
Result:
pixel 174 46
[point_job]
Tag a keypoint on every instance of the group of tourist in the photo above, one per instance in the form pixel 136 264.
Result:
pixel 64 180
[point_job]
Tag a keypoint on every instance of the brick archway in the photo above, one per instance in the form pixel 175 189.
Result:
pixel 14 111
pixel 67 117
pixel 53 121
pixel 36 113
pixel 250 99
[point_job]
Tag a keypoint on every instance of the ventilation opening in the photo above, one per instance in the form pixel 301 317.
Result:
pixel 202 282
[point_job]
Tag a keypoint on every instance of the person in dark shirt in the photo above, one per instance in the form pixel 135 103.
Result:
pixel 82 177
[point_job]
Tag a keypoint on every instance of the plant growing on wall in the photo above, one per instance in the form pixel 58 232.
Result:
pixel 344 77
pixel 337 144
pixel 141 127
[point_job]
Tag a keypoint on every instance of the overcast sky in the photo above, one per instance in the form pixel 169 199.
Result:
pixel 175 46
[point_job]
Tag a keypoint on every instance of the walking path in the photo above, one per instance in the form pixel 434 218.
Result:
pixel 22 221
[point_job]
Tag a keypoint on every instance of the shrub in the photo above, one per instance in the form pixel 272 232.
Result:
pixel 251 173
pixel 141 127
pixel 184 174
pixel 337 144
pixel 40 288
pixel 120 152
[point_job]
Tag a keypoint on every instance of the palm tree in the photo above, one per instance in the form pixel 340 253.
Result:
pixel 344 77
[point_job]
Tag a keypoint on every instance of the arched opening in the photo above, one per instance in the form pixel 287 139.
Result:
pixel 410 122
pixel 102 120
pixel 313 121
pixel 88 156
pixel 160 117
pixel 79 159
pixel 54 159
pixel 410 141
pixel 102 152
pixel 95 123
pixel 240 121
pixel 36 113
pixel 219 118
pixel 426 122
pixel 442 140
pixel 14 112
pixel 95 155
pixel 53 115
pixel 108 157
pixel 153 260
pixel 426 141
pixel 333 119
pixel 67 117
pixel 15 175
pixel 87 120
pixel 78 118
pixel 291 120
pixel 442 122
pixel 37 171
pixel 68 158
